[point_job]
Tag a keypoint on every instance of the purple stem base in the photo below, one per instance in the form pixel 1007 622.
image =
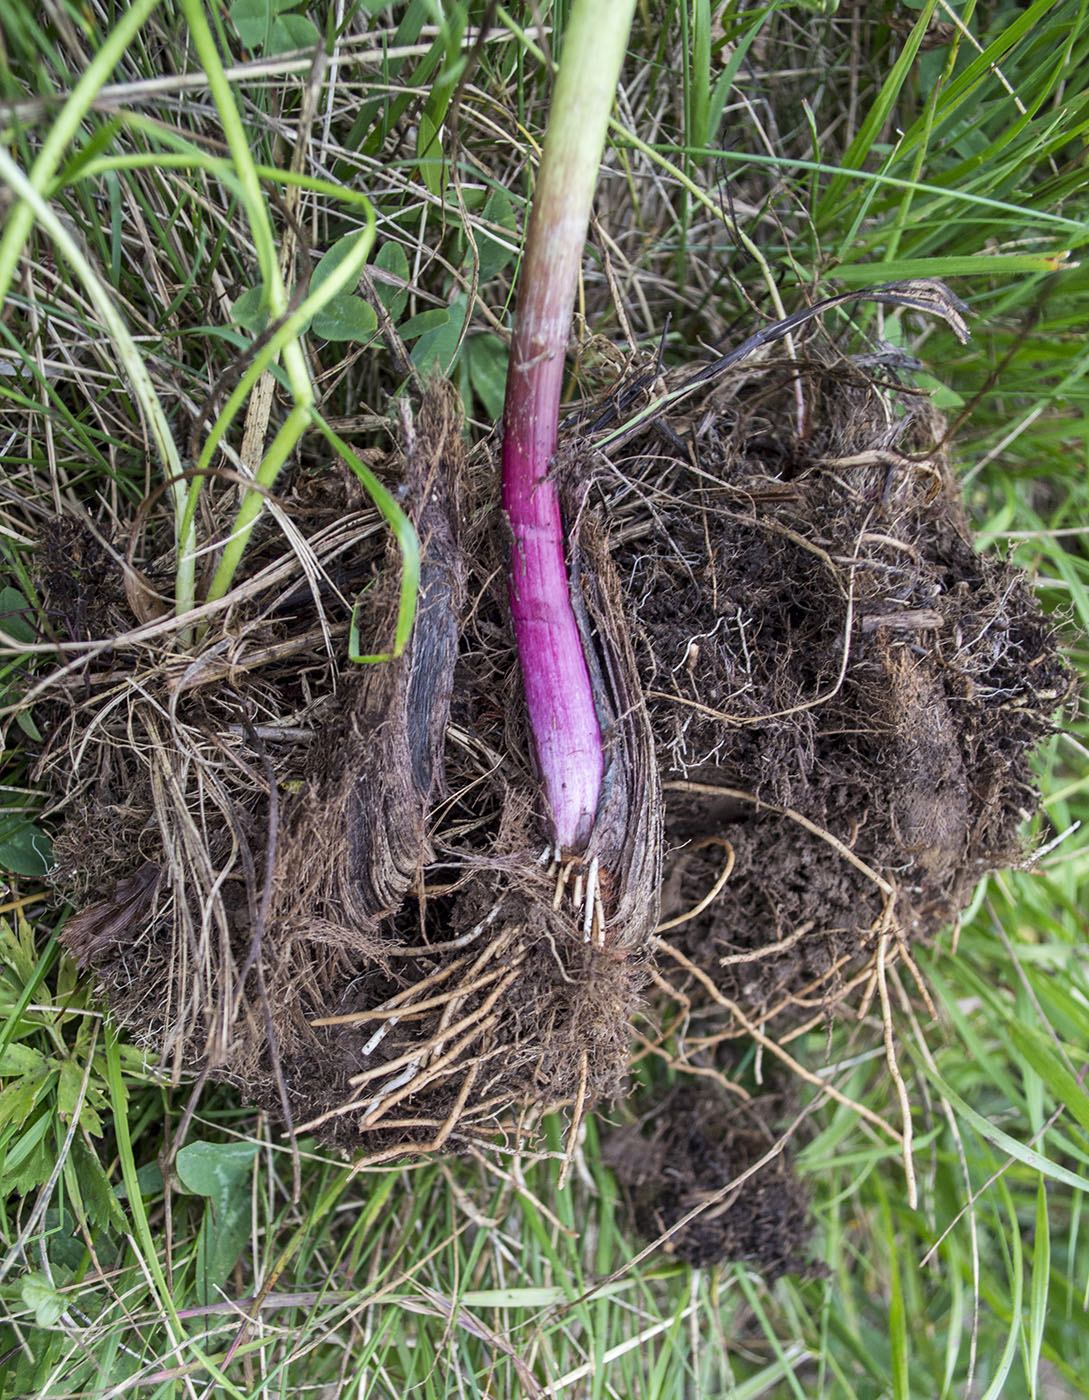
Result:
pixel 559 696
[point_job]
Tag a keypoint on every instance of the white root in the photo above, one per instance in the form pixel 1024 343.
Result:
pixel 593 900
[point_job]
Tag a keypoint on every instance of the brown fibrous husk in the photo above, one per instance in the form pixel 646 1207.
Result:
pixel 325 881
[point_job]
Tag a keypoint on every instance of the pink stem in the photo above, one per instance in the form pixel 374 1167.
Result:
pixel 559 694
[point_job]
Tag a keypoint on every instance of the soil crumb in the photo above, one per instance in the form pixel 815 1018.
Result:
pixel 685 1156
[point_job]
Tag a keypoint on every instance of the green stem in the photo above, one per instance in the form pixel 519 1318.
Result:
pixel 283 444
pixel 407 541
pixel 238 144
pixel 275 293
pixel 344 274
pixel 189 158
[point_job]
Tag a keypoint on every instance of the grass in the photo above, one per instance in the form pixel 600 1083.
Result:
pixel 155 1239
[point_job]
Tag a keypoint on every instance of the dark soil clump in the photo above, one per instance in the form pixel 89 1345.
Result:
pixel 685 1162
pixel 844 697
pixel 843 692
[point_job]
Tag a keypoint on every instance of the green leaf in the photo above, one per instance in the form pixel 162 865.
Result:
pixel 429 153
pixel 1003 1363
pixel 725 80
pixel 220 1172
pixel 26 851
pixel 292 32
pixel 488 358
pixel 346 317
pixel 68 1089
pixel 700 80
pixel 407 541
pixel 16 616
pixel 19 1098
pixel 855 157
pixel 1002 1140
pixel 1043 1057
pixel 42 1299
pixel 1041 1277
pixel 331 260
pixel 149 1181
pixel 253 20
pixel 25 720
pixel 438 348
pixel 30 1159
pixel 93 1198
pixel 495 255
pixel 265 25
pixel 211 1168
pixel 898 1330
pixel 966 265
pixel 391 258
pixel 65 1253
pixel 69 1085
pixel 18 1059
pixel 425 321
pixel 250 311
pixel 17 950
pixel 941 395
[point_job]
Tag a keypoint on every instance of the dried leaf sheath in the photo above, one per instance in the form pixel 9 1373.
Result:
pixel 516 1005
pixel 348 833
pixel 383 756
pixel 627 835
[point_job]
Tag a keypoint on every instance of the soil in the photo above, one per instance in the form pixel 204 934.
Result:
pixel 843 692
pixel 845 696
pixel 331 885
pixel 678 1171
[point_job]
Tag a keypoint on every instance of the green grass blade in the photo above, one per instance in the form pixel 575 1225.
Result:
pixel 407 541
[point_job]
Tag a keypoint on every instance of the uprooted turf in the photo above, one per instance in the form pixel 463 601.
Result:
pixel 335 889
